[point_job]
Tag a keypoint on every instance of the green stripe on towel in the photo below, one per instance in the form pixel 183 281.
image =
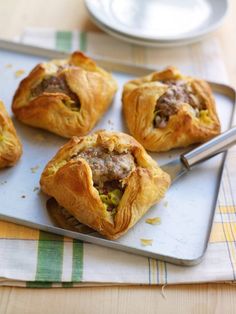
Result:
pixel 50 257
pixel 38 284
pixel 77 265
pixel 67 285
pixel 82 41
pixel 64 41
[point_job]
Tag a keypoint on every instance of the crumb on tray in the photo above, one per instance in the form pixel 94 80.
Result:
pixel 34 169
pixel 8 66
pixel 165 203
pixel 23 196
pixel 153 221
pixel 146 242
pixel 36 188
pixel 18 73
pixel 3 182
pixel 110 122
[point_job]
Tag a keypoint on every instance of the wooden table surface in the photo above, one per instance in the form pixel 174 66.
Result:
pixel 15 15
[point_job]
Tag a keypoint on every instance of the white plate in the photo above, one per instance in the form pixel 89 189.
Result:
pixel 144 42
pixel 158 22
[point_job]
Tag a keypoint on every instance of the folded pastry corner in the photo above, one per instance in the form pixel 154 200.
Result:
pixel 66 97
pixel 166 110
pixel 10 145
pixel 105 180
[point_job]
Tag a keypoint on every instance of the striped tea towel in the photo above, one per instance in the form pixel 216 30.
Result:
pixel 34 258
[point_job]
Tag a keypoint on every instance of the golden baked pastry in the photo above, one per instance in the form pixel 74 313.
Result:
pixel 105 180
pixel 66 97
pixel 10 145
pixel 166 110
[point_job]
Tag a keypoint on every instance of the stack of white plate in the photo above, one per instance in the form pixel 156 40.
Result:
pixel 158 23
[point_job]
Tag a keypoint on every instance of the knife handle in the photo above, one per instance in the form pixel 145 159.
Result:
pixel 209 149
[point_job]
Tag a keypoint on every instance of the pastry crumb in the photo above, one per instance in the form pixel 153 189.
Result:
pixel 23 196
pixel 146 242
pixel 18 73
pixel 3 182
pixel 8 66
pixel 36 188
pixel 34 169
pixel 165 203
pixel 110 122
pixel 153 221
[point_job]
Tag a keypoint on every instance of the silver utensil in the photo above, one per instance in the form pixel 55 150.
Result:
pixel 186 161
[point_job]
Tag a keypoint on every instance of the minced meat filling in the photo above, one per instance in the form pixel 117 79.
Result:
pixel 56 84
pixel 106 165
pixel 178 92
pixel 108 168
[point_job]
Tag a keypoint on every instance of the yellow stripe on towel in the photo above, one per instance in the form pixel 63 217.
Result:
pixel 227 209
pixel 222 232
pixel 10 230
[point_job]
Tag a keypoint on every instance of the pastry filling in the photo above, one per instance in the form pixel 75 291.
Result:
pixel 57 84
pixel 111 193
pixel 167 105
pixel 108 170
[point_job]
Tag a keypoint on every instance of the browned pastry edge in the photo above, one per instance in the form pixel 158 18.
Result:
pixel 93 86
pixel 139 101
pixel 10 145
pixel 70 182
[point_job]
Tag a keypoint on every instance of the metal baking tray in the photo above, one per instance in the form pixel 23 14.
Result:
pixel 186 214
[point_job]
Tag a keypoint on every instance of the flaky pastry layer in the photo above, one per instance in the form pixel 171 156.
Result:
pixel 10 145
pixel 69 180
pixel 184 126
pixel 66 97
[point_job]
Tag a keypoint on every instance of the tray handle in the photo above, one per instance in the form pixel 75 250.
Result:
pixel 209 149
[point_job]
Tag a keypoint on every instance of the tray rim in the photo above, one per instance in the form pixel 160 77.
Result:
pixel 125 67
pixel 129 68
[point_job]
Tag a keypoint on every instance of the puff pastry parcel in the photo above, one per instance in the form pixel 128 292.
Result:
pixel 166 109
pixel 66 97
pixel 10 145
pixel 105 180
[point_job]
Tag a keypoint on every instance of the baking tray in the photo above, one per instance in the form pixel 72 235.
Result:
pixel 186 214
